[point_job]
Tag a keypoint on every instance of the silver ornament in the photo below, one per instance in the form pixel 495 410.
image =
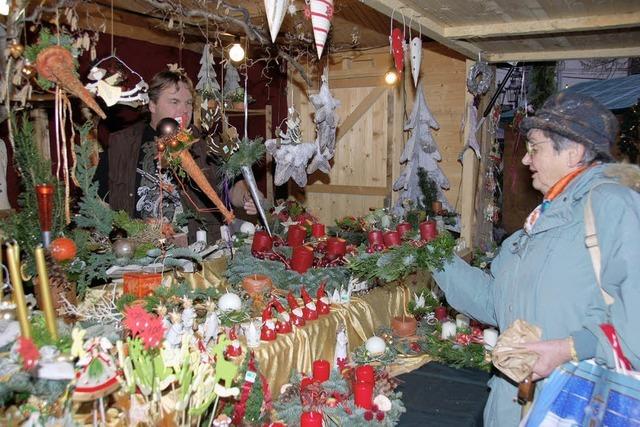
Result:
pixel 123 248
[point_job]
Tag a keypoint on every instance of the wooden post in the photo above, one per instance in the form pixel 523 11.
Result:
pixel 469 180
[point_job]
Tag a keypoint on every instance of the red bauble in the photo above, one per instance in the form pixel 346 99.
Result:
pixel 63 249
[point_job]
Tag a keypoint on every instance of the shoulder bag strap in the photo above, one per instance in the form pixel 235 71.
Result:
pixel 591 241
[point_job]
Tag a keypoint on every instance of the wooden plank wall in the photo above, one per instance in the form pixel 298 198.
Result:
pixel 366 160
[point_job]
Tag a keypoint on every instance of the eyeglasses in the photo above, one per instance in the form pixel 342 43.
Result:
pixel 531 148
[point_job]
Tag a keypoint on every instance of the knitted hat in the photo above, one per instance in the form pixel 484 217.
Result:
pixel 577 117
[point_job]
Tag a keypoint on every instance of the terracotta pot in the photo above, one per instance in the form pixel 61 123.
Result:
pixel 238 105
pixel 404 326
pixel 256 283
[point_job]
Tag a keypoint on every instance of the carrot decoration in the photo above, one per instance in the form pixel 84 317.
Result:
pixel 177 141
pixel 55 63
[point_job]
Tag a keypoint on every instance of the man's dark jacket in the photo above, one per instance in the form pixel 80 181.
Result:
pixel 119 174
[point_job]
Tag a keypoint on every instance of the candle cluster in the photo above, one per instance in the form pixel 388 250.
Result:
pixel 379 240
pixel 319 251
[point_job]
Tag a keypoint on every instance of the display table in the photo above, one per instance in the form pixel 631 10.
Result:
pixel 439 395
pixel 296 351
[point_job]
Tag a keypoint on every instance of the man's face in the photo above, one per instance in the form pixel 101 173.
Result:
pixel 547 165
pixel 174 102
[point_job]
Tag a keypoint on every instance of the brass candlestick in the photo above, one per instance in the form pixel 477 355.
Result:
pixel 13 260
pixel 45 293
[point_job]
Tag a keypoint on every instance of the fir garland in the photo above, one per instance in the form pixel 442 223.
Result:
pixel 244 264
pixel 399 261
pixel 289 407
pixel 449 352
pixel 249 152
pixel 361 356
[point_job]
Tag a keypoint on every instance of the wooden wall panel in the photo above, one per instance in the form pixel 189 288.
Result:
pixel 367 157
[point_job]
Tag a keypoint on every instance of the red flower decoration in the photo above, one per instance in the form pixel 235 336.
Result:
pixel 380 416
pixel 153 334
pixel 463 339
pixel 29 353
pixel 136 319
pixel 368 415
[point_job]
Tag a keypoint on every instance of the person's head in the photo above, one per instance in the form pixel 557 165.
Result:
pixel 569 131
pixel 170 95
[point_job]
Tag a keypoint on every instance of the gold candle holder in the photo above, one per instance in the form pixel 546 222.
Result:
pixel 13 260
pixel 45 293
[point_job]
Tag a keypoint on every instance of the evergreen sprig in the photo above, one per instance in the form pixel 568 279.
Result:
pixel 24 226
pixel 244 264
pixel 399 261
pixel 93 212
pixel 249 152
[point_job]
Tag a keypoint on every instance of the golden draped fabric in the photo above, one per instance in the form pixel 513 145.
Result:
pixel 297 350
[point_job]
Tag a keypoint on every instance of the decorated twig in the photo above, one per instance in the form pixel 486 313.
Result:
pixel 176 142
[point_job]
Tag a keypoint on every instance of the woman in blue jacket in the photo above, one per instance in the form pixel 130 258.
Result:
pixel 543 273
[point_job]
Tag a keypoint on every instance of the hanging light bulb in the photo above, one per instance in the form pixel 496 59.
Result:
pixel 236 53
pixel 391 77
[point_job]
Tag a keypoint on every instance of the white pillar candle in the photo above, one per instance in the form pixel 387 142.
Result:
pixel 490 337
pixel 201 236
pixel 448 330
pixel 462 321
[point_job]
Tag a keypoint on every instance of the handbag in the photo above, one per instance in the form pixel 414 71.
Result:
pixel 585 393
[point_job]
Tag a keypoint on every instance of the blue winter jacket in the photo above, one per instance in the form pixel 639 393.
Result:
pixel 547 279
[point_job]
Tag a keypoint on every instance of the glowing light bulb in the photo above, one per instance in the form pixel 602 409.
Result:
pixel 391 77
pixel 236 53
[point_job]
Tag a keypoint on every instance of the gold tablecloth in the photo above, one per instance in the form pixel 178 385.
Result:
pixel 297 350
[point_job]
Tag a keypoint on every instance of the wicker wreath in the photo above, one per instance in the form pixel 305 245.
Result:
pixel 480 78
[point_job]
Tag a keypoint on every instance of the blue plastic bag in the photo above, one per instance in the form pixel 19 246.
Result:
pixel 586 394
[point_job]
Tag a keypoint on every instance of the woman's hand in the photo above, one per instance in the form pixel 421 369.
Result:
pixel 552 353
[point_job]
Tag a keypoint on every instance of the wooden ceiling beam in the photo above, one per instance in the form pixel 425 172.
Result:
pixel 556 55
pixel 544 26
pixel 131 26
pixel 421 23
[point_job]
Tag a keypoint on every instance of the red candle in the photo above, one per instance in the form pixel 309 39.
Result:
pixel 44 195
pixel 301 259
pixel 403 228
pixel 262 242
pixel 311 419
pixel 365 374
pixel 336 246
pixel 376 238
pixel 317 230
pixel 428 230
pixel 391 238
pixel 363 395
pixel 296 235
pixel 441 313
pixel 321 370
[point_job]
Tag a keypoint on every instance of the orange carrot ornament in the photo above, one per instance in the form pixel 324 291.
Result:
pixel 55 63
pixel 177 141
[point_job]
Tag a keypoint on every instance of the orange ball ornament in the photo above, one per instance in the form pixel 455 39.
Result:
pixel 63 249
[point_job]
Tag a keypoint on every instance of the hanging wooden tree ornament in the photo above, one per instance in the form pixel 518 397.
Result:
pixel 416 56
pixel 275 10
pixel 321 12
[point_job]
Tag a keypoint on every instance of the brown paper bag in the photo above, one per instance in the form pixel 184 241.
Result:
pixel 514 361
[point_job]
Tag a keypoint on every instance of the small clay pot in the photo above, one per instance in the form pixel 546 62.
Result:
pixel 256 283
pixel 404 326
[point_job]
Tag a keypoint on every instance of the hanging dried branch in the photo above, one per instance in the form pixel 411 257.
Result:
pixel 254 33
